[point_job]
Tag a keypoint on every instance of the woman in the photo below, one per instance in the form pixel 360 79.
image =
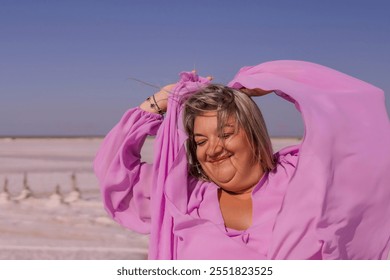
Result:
pixel 327 198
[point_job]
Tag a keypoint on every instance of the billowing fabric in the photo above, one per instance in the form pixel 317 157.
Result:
pixel 328 198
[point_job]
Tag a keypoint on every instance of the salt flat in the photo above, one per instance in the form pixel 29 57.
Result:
pixel 43 227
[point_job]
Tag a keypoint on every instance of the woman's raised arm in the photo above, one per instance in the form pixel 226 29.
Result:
pixel 125 181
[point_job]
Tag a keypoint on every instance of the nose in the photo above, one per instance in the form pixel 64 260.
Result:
pixel 215 148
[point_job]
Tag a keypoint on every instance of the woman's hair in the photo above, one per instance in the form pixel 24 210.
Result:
pixel 227 102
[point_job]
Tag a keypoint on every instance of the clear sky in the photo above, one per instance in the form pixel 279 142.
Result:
pixel 64 65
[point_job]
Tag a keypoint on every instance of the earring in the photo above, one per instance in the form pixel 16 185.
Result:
pixel 198 169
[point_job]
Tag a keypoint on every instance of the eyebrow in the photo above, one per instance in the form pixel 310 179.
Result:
pixel 198 134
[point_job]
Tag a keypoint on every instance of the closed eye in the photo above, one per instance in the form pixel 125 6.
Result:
pixel 226 135
pixel 200 143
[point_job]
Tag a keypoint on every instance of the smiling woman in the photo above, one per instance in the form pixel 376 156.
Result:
pixel 227 138
pixel 225 159
pixel 216 181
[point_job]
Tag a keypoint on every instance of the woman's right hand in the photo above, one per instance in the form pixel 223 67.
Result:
pixel 160 97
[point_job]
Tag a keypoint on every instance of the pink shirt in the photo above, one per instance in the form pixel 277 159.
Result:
pixel 327 199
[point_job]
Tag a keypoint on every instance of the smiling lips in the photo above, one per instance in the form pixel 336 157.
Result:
pixel 219 159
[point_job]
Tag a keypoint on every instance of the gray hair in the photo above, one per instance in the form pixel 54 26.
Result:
pixel 227 102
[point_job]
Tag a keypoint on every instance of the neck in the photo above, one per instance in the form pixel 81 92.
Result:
pixel 241 192
pixel 241 195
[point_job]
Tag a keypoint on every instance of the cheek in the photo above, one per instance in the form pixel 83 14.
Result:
pixel 238 145
pixel 199 154
pixel 241 149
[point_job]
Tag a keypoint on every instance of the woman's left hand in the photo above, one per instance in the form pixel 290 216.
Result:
pixel 255 91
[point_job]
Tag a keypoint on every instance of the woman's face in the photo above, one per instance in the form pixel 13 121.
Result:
pixel 226 159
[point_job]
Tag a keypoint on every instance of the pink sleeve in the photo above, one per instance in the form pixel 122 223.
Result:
pixel 337 202
pixel 126 181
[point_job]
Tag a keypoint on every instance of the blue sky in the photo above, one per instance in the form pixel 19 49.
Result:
pixel 64 65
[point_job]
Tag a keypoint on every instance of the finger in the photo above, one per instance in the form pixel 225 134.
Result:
pixel 210 78
pixel 245 90
pixel 193 71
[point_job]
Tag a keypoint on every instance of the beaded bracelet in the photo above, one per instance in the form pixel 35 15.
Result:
pixel 154 105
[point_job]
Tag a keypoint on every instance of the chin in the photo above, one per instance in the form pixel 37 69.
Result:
pixel 222 177
pixel 223 182
pixel 226 183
